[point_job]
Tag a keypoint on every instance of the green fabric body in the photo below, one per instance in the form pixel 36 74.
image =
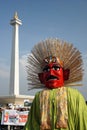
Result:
pixel 77 111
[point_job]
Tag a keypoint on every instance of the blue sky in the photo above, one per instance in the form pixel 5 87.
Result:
pixel 41 19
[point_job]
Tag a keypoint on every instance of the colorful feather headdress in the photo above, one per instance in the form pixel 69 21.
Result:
pixel 66 52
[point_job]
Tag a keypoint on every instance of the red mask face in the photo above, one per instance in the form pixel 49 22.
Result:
pixel 52 76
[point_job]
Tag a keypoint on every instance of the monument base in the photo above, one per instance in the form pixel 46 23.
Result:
pixel 16 99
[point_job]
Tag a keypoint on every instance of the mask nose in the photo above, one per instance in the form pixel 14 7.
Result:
pixel 51 71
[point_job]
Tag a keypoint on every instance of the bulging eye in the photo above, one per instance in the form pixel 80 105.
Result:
pixel 56 67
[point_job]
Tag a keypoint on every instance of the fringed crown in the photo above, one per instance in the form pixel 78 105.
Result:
pixel 66 52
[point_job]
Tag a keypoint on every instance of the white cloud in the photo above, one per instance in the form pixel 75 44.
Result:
pixel 23 60
pixel 23 74
pixel 23 77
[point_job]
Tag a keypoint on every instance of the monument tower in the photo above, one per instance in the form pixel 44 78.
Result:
pixel 14 72
pixel 14 96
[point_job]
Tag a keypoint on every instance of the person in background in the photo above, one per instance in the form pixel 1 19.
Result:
pixel 55 65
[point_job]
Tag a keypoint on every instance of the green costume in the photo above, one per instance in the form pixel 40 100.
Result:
pixel 76 106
